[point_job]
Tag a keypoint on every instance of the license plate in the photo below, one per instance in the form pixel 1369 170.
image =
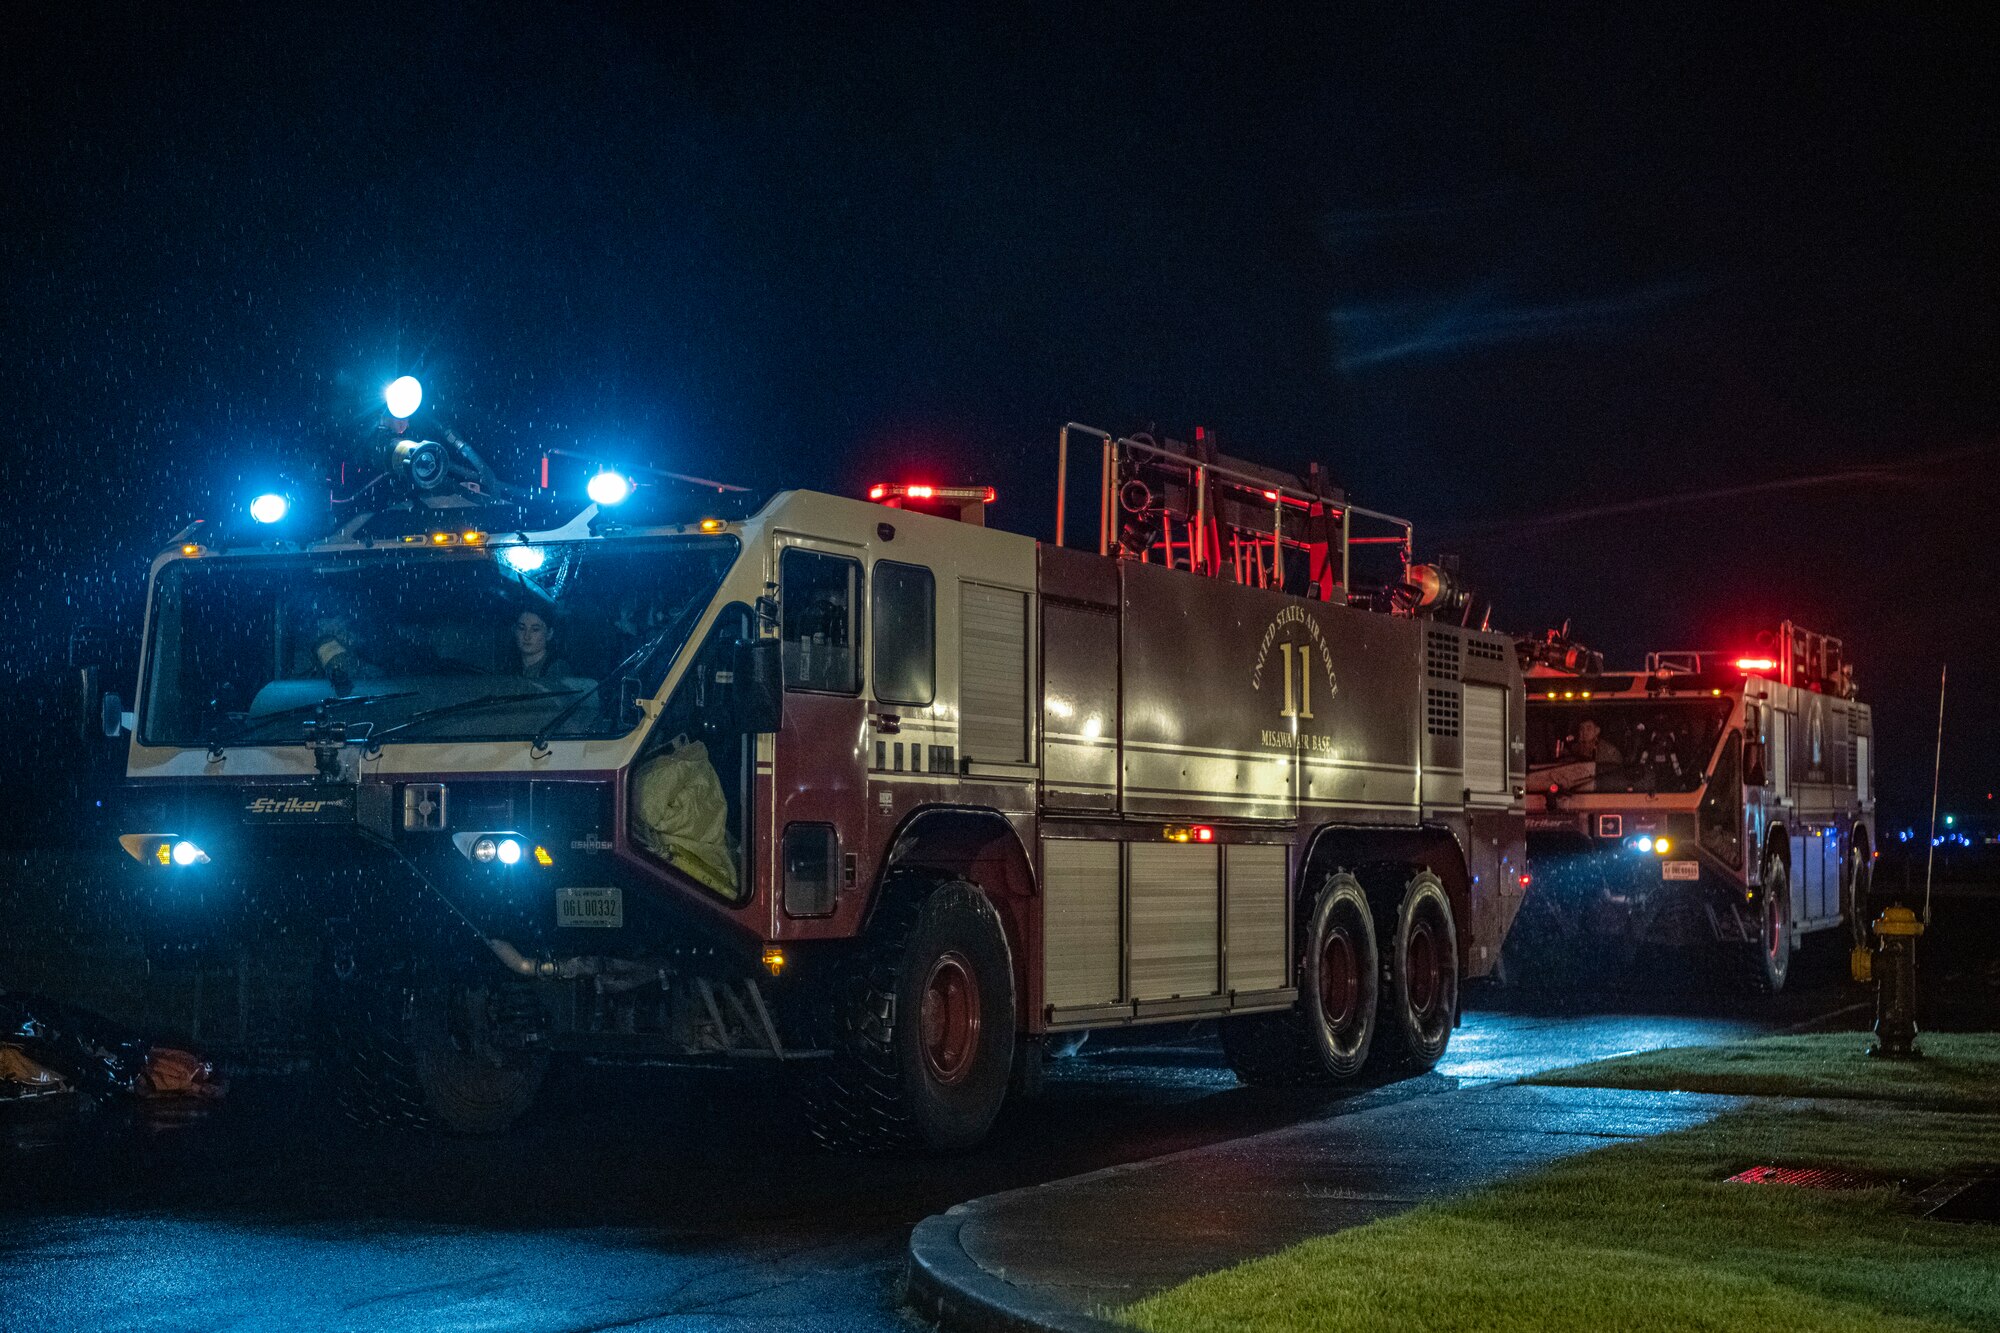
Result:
pixel 602 908
pixel 1680 870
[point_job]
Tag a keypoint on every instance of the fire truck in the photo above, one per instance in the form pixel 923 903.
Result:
pixel 1712 797
pixel 862 789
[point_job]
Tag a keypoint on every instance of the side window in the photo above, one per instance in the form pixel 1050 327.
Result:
pixel 902 621
pixel 817 595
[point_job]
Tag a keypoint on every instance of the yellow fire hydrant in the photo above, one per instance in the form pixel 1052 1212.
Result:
pixel 1895 974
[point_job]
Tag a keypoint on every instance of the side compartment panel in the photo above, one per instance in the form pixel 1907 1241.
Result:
pixel 1080 922
pixel 1255 898
pixel 1174 920
pixel 1079 708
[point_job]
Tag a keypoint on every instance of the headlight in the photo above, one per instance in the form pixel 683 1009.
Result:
pixel 500 847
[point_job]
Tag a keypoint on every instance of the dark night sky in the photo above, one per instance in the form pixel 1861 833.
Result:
pixel 1489 266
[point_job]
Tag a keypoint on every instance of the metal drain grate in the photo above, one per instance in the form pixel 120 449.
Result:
pixel 1808 1178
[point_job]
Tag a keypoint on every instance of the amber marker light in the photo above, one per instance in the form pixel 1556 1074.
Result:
pixel 191 549
pixel 774 960
pixel 473 538
pixel 542 857
pixel 711 525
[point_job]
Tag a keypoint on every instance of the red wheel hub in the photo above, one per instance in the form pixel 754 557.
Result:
pixel 1339 978
pixel 1423 966
pixel 948 1027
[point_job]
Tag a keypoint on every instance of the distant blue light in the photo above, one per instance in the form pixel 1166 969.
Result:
pixel 524 559
pixel 403 397
pixel 609 488
pixel 269 508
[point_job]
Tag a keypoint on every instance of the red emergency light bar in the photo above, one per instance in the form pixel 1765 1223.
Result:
pixel 917 491
pixel 1755 664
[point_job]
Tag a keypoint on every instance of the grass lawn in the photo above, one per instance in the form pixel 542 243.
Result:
pixel 1959 1071
pixel 1647 1236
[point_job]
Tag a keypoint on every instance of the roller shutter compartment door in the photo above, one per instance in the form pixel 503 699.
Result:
pixel 1486 740
pixel 1080 922
pixel 1255 902
pixel 992 674
pixel 1175 935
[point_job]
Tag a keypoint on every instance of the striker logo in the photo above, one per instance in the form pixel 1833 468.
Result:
pixel 290 805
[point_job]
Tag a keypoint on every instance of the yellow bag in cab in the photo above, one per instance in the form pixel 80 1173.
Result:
pixel 681 816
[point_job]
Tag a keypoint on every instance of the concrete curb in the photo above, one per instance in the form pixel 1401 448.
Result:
pixel 947 1288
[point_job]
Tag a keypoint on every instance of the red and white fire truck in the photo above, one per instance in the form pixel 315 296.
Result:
pixel 862 787
pixel 1713 796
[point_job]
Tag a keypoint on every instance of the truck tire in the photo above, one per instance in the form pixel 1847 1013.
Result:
pixel 1423 976
pixel 1856 889
pixel 411 1058
pixel 1324 1038
pixel 921 1023
pixel 1767 960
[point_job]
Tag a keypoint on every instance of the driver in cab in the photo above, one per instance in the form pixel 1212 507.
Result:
pixel 1589 746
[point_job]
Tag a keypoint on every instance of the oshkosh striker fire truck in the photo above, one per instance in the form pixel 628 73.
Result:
pixel 864 788
pixel 1710 797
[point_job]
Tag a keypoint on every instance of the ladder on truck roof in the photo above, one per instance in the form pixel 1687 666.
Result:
pixel 1189 507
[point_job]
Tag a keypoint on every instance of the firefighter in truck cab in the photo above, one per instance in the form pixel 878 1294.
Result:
pixel 861 789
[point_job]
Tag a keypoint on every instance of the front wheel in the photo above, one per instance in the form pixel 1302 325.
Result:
pixel 1767 959
pixel 1324 1037
pixel 1423 976
pixel 922 1029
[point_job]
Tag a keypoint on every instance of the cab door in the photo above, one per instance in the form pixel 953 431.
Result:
pixel 819 779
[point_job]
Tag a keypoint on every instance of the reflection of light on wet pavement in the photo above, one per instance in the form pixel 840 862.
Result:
pixel 1491 1046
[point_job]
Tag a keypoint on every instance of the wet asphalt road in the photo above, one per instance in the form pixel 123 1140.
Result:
pixel 649 1200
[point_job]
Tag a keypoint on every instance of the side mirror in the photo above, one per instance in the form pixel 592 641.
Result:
pixel 1753 764
pixel 112 717
pixel 757 686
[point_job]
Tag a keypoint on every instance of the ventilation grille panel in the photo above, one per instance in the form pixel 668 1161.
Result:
pixel 1441 654
pixel 1441 712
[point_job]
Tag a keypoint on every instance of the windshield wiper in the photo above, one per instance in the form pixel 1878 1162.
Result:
pixel 634 661
pixel 217 745
pixel 463 706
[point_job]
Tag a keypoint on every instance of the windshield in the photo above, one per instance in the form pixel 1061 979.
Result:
pixel 471 644
pixel 1638 745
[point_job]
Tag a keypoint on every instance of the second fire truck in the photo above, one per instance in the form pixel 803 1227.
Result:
pixel 864 788
pixel 1712 797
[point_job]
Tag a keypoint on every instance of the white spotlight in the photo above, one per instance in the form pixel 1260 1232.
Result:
pixel 608 488
pixel 403 397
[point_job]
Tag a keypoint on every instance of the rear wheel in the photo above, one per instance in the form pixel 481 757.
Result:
pixel 1324 1038
pixel 1423 976
pixel 921 1023
pixel 1767 959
